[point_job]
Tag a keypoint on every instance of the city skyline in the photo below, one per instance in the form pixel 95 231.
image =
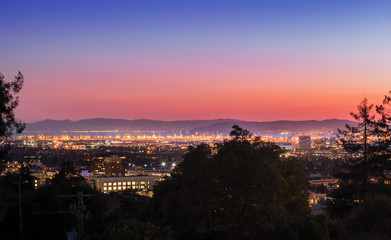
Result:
pixel 183 60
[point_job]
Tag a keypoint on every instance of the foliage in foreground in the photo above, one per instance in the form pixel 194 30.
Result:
pixel 246 190
pixel 370 219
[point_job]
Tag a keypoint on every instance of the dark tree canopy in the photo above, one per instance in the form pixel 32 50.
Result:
pixel 8 102
pixel 364 142
pixel 384 109
pixel 8 122
pixel 244 191
pixel 8 125
pixel 363 170
pixel 369 220
pixel 239 133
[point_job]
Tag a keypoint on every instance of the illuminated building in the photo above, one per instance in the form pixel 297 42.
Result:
pixel 304 142
pixel 99 165
pixel 39 177
pixel 112 165
pixel 320 143
pixel 141 184
pixel 11 167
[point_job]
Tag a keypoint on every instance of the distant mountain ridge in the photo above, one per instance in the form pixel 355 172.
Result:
pixel 279 126
pixel 217 125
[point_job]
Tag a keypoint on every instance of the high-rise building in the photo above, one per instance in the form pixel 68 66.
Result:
pixel 110 165
pixel 320 143
pixel 304 142
pixel 99 165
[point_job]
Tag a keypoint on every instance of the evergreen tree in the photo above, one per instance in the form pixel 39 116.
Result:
pixel 8 122
pixel 363 170
pixel 8 125
pixel 384 110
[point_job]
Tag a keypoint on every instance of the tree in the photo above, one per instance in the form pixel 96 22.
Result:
pixel 239 133
pixel 369 220
pixel 68 175
pixel 8 123
pixel 247 190
pixel 8 103
pixel 363 171
pixel 384 110
pixel 136 230
pixel 355 140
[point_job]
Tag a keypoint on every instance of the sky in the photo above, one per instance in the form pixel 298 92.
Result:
pixel 194 59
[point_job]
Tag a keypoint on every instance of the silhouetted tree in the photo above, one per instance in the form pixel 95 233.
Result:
pixel 244 191
pixel 369 220
pixel 384 110
pixel 8 122
pixel 68 174
pixel 8 102
pixel 239 133
pixel 8 125
pixel 363 171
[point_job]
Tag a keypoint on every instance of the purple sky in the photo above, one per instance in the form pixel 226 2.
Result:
pixel 170 60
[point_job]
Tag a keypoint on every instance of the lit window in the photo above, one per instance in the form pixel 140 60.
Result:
pixel 129 183
pixel 142 186
pixel 115 184
pixel 119 183
pixel 142 183
pixel 119 188
pixel 109 183
pixel 134 183
pixel 110 188
pixel 124 183
pixel 105 188
pixel 114 188
pixel 133 187
pixel 104 184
